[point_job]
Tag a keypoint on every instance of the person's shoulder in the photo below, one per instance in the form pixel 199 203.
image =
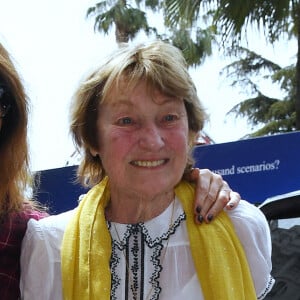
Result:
pixel 248 216
pixel 57 220
pixel 247 210
pixel 35 214
pixel 51 224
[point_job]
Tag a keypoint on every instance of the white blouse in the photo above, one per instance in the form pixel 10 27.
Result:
pixel 152 259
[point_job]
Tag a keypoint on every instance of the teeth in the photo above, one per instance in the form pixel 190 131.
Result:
pixel 148 164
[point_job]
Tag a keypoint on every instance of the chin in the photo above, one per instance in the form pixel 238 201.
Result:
pixel 156 188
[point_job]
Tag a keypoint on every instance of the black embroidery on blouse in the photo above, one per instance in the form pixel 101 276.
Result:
pixel 127 281
pixel 142 267
pixel 154 278
pixel 152 243
pixel 135 266
pixel 116 280
pixel 140 238
pixel 268 288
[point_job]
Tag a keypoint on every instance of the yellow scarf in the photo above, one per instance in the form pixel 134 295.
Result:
pixel 219 258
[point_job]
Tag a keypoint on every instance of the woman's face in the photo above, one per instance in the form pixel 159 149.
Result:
pixel 143 140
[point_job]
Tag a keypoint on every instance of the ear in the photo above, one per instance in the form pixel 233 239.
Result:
pixel 94 152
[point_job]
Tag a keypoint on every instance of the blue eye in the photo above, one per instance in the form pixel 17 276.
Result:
pixel 125 121
pixel 170 118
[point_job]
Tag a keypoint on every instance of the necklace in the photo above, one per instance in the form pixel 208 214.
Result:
pixel 129 271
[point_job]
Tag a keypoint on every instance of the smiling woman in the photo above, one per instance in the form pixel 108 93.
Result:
pixel 133 235
pixel 146 135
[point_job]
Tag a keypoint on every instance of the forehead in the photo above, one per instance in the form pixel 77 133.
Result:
pixel 123 92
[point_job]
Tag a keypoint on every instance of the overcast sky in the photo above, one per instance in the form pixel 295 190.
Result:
pixel 54 45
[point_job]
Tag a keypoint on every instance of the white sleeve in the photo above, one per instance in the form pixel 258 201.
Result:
pixel 40 259
pixel 254 233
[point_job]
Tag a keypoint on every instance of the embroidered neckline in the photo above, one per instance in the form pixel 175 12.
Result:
pixel 140 233
pixel 150 228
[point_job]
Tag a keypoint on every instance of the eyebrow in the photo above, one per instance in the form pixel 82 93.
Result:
pixel 122 99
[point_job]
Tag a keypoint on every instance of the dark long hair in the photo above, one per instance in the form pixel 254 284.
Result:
pixel 15 176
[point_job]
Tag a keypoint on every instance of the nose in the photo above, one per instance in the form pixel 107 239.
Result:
pixel 151 138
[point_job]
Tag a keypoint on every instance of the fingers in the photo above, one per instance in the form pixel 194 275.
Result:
pixel 221 201
pixel 213 194
pixel 234 199
pixel 208 185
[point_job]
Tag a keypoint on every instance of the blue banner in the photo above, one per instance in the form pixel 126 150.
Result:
pixel 257 168
pixel 58 189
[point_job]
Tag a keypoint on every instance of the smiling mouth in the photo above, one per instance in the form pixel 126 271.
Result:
pixel 149 163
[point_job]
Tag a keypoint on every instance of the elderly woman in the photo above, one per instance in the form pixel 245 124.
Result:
pixel 133 235
pixel 15 208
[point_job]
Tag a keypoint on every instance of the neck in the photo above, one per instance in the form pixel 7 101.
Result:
pixel 135 209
